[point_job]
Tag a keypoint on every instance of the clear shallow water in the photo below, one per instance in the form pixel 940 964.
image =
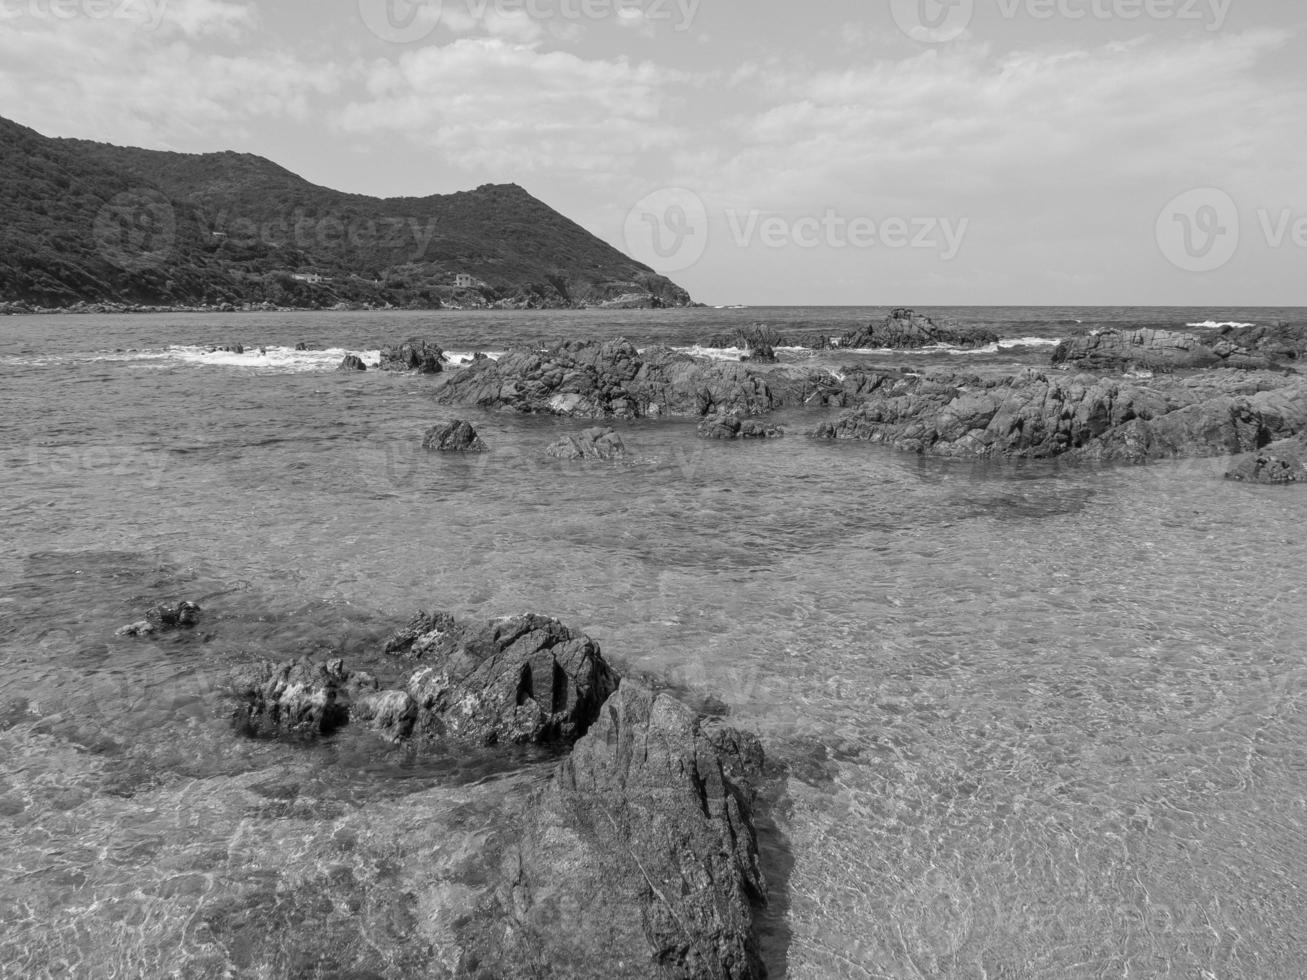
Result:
pixel 1043 720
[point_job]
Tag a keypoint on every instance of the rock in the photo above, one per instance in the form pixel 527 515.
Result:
pixel 523 679
pixel 732 426
pixel 297 697
pixel 163 617
pixel 1153 350
pixel 301 346
pixel 352 362
pixel 613 379
pixel 454 437
pixel 637 859
pixel 906 329
pixel 758 343
pixel 414 355
pixel 1032 415
pixel 1280 462
pixel 593 443
pixel 1282 342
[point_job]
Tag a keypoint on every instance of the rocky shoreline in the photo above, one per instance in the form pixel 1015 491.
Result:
pixel 1114 396
pixel 636 856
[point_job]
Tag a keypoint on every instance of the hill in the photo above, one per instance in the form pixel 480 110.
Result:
pixel 84 222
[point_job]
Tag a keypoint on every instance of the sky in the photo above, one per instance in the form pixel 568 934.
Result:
pixel 835 152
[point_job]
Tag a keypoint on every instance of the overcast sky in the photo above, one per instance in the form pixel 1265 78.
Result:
pixel 923 152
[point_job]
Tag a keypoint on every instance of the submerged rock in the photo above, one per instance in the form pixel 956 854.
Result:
pixel 1280 462
pixel 457 436
pixel 352 362
pixel 637 859
pixel 163 617
pixel 523 679
pixel 297 697
pixel 1033 415
pixel 1154 350
pixel 414 355
pixel 593 443
pixel 732 426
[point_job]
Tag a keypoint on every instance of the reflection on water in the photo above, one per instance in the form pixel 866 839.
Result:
pixel 1040 720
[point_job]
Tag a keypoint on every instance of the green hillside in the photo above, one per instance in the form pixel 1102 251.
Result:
pixel 84 222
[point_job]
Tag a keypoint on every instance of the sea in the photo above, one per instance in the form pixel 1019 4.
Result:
pixel 1037 719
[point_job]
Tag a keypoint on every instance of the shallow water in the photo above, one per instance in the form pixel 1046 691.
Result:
pixel 1042 720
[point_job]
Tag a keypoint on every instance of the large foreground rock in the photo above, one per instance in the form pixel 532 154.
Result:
pixel 614 379
pixel 1282 342
pixel 522 679
pixel 906 329
pixel 1034 415
pixel 637 859
pixel 1280 462
pixel 1155 350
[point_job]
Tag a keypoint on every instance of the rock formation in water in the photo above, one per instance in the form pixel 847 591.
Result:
pixel 731 426
pixel 163 617
pixel 414 355
pixel 906 329
pixel 352 362
pixel 592 443
pixel 613 379
pixel 638 858
pixel 457 436
pixel 1284 461
pixel 1035 415
pixel 1156 350
pixel 522 679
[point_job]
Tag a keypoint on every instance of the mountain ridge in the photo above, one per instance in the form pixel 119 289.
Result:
pixel 84 222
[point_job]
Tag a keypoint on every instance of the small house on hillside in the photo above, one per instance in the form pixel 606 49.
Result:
pixel 465 281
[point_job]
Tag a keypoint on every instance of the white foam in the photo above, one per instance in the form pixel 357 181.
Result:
pixel 277 359
pixel 460 358
pixel 1212 324
pixel 713 353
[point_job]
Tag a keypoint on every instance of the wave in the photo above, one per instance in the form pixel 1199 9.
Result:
pixel 276 359
pixel 1213 325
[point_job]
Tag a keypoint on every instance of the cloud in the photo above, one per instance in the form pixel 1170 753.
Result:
pixel 511 108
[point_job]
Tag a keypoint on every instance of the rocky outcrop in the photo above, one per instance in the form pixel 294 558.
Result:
pixel 1284 461
pixel 730 426
pixel 414 355
pixel 1154 350
pixel 524 679
pixel 457 436
pixel 352 362
pixel 163 617
pixel 593 443
pixel 1284 343
pixel 637 859
pixel 613 379
pixel 1037 416
pixel 300 697
pixel 906 329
